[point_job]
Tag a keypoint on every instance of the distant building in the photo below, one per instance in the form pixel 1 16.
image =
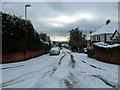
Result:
pixel 105 33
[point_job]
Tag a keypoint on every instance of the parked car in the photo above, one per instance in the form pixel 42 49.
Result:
pixel 55 51
pixel 85 50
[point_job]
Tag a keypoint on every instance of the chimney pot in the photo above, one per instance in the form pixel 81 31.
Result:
pixel 90 32
pixel 108 21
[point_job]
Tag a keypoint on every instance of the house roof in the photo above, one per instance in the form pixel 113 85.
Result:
pixel 116 32
pixel 106 29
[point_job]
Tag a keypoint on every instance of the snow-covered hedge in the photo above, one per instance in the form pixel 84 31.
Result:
pixel 105 45
pixel 106 48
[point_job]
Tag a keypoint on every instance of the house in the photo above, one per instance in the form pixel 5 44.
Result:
pixel 105 33
pixel 116 37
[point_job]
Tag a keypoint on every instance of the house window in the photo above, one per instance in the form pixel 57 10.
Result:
pixel 98 38
pixel 93 38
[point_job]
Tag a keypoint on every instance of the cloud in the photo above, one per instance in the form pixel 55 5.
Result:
pixel 57 18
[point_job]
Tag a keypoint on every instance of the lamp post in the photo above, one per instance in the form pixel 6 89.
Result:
pixel 26 10
pixel 26 49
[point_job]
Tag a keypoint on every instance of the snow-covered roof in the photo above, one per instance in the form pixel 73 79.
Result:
pixel 106 29
pixel 44 42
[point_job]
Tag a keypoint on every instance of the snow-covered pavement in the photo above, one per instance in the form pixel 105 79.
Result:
pixel 67 70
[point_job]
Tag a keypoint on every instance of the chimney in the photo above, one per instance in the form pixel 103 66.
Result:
pixel 90 32
pixel 108 21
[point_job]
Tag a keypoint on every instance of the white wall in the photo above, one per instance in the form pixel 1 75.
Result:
pixel 101 37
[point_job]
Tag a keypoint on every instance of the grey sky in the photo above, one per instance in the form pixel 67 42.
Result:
pixel 57 18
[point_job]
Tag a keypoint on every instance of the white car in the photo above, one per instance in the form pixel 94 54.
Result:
pixel 55 51
pixel 85 50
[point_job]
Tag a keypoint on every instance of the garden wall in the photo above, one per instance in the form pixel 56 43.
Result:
pixel 113 58
pixel 20 56
pixel 110 55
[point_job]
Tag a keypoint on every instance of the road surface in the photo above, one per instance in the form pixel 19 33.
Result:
pixel 67 70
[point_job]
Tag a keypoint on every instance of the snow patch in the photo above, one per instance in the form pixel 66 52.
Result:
pixel 105 45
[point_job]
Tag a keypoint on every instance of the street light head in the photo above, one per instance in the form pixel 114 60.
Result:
pixel 27 5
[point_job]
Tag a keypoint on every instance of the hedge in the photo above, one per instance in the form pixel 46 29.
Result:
pixel 19 34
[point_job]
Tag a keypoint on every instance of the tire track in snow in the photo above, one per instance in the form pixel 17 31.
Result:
pixel 61 59
pixel 12 67
pixel 53 71
pixel 11 83
pixel 68 83
pixel 21 78
pixel 67 80
pixel 92 65
pixel 55 68
pixel 105 81
pixel 72 62
pixel 73 79
pixel 50 73
pixel 16 78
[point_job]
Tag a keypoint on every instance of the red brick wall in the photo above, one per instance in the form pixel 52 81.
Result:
pixel 37 53
pixel 113 58
pixel 13 57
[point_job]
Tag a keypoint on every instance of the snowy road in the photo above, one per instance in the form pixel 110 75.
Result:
pixel 67 70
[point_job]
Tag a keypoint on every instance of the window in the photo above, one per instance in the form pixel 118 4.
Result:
pixel 98 37
pixel 93 38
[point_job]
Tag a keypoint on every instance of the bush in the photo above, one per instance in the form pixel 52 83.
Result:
pixel 18 35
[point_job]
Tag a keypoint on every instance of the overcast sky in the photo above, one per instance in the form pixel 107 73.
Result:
pixel 57 18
